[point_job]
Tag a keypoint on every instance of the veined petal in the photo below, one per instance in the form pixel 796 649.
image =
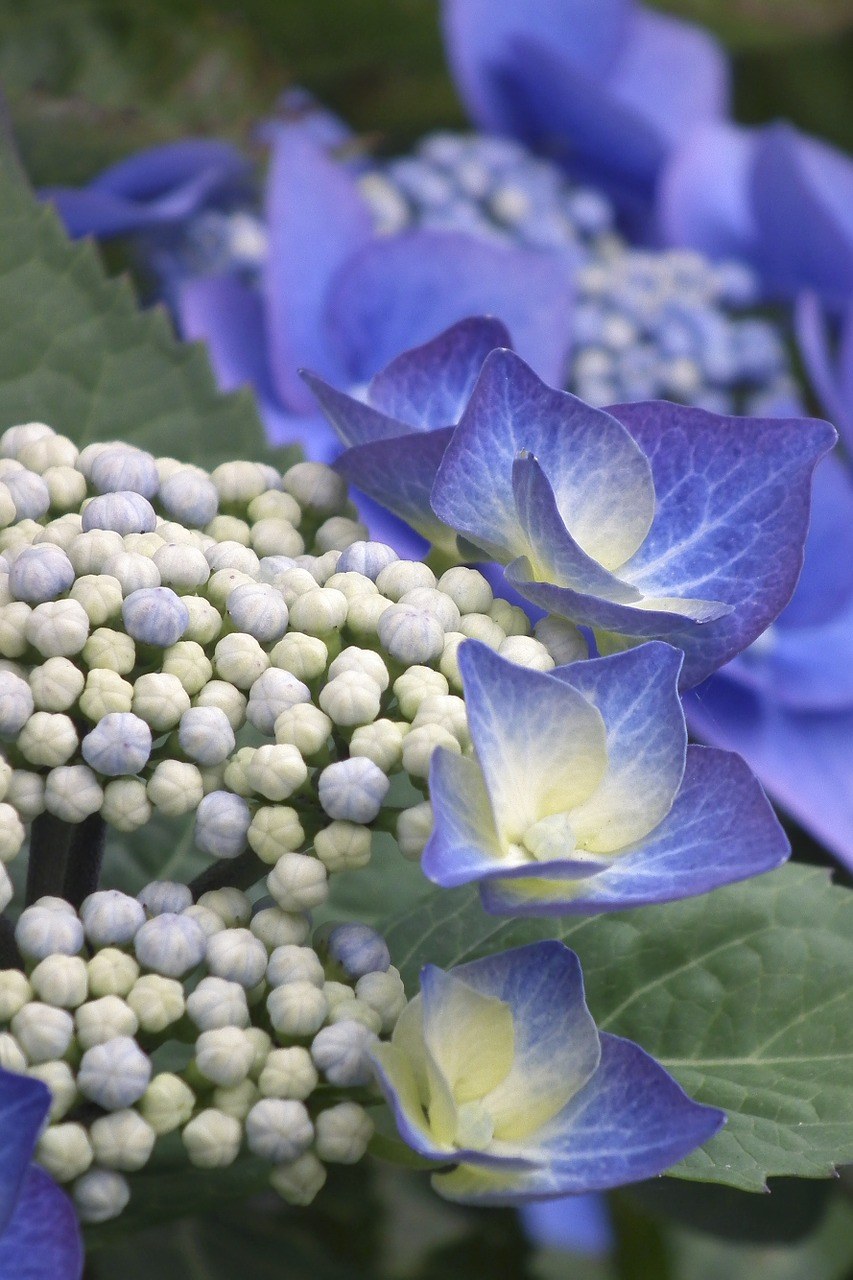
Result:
pixel 42 1242
pixel 24 1104
pixel 468 1033
pixel 529 773
pixel 354 421
pixel 397 1079
pixel 720 829
pixel 464 843
pixel 637 695
pixel 602 483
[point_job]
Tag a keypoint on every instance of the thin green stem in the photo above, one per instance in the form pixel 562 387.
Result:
pixel 238 873
pixel 85 859
pixel 50 839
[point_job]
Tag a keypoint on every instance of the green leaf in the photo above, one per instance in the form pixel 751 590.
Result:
pixel 76 352
pixel 745 995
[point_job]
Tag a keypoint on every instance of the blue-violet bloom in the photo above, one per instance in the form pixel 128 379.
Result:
pixel 498 1069
pixel 604 806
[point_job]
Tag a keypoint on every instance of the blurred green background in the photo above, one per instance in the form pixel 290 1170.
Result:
pixel 91 80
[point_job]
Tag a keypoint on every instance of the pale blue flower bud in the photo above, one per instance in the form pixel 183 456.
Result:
pixel 124 468
pixel 368 558
pixel 411 635
pixel 40 573
pixel 122 513
pixel 259 610
pixel 170 945
pixel 165 896
pixel 218 1002
pixel 30 494
pixel 342 1053
pixel 43 931
pixel 222 824
pixel 16 704
pixel 100 1195
pixel 279 1129
pixel 114 1074
pixel 353 790
pixel 120 743
pixel 155 615
pixel 358 949
pixel 436 603
pixel 205 735
pixel 111 918
pixel 190 496
pixel 274 692
pixel 238 956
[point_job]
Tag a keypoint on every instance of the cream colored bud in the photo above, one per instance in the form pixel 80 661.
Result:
pixel 299 1181
pixel 112 650
pixel 419 744
pixel 111 973
pixel 302 655
pixel 381 742
pixel 59 1078
pixel 160 700
pixel 56 684
pixel 298 882
pixel 106 692
pixel 479 626
pixel 276 771
pixel 236 1100
pixel 527 652
pixel 15 992
pixel 275 505
pixel 275 830
pixel 205 621
pixel 156 1001
pixel 304 727
pixel 448 711
pixel 225 696
pixel 240 660
pixel 273 536
pixel 104 1019
pixel 122 1140
pixel 276 928
pixel 414 828
pixel 64 1151
pixel 61 980
pixel 512 620
pixel 126 805
pixel 167 1103
pixel 48 739
pixel 288 1073
pixel 188 662
pixel 343 846
pixel 338 533
pixel 416 684
pixel 212 1139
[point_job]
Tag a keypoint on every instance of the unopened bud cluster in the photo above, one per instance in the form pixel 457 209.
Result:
pixel 225 646
pixel 274 1029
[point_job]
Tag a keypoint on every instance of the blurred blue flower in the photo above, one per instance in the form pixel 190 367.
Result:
pixel 607 86
pixel 605 806
pixel 498 1069
pixel 773 197
pixel 829 364
pixel 573 1224
pixel 39 1236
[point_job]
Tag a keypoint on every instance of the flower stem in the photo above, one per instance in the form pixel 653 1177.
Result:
pixel 50 839
pixel 85 859
pixel 10 956
pixel 238 873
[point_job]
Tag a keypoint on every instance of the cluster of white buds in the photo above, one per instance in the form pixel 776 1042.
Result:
pixel 274 1029
pixel 227 646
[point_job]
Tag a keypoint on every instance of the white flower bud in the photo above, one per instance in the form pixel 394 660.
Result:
pixel 351 698
pixel 419 744
pixel 338 533
pixel 110 650
pixel 122 1140
pixel 298 882
pixel 170 945
pixel 527 652
pixel 103 1019
pixel 100 1195
pixel 222 824
pixel 111 973
pixel 212 1139
pixel 367 558
pixel 8 511
pixel 89 552
pixel 155 616
pixel 479 626
pixel 240 660
pixel 240 482
pixel 111 917
pixel 414 828
pixel 48 739
pixel 279 1129
pixel 274 505
pixel 144 544
pixel 299 1181
pixel 343 1133
pixel 167 1103
pixel 61 980
pixel 59 1078
pixel 162 896
pixel 237 1100
pixel 295 964
pixel 187 662
pixel 381 742
pixel 57 628
pixel 48 451
pixel 120 743
pixel 273 536
pixel 226 554
pixel 64 1151
pixel 42 931
pixel 114 1074
pixel 126 806
pixel 40 573
pixel 274 692
pixel 304 727
pixel 221 584
pixel 275 830
pixel 189 496
pixel 293 583
pixel 316 487
pixel 411 635
pixel 337 993
pixel 25 793
pixel 297 1009
pixel 416 684
pixel 224 1055
pixel 233 907
pixel 18 437
pixel 42 1031
pixel 562 640
pixel 218 693
pixel 238 956
pixel 16 704
pixel 175 788
pixel 342 1053
pixel 468 590
pixel 512 620
pixel 319 612
pixel 303 656
pixel 181 568
pixel 30 494
pixel 124 468
pixel 205 621
pixel 56 684
pixel 343 846
pixel 234 776
pixel 353 790
pixel 217 1002
pixel 15 992
pixel 12 1057
pixel 258 610
pixel 445 710
pixel 12 833
pixel 133 572
pixel 276 928
pixel 260 1039
pixel 352 585
pixel 208 921
pixel 158 1001
pixel 14 619
pixel 205 735
pixel 288 1073
pixel 276 771
pixel 383 992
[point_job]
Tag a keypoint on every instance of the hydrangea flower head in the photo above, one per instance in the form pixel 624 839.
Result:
pixel 498 1068
pixel 604 806
pixel 645 521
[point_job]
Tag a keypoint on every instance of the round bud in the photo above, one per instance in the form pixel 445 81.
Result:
pixel 133 572
pixel 120 743
pixel 367 558
pixel 212 1139
pixel 273 693
pixel 385 993
pixel 175 788
pixel 304 727
pixel 61 980
pixel 155 616
pixel 276 771
pixel 288 1073
pixel 25 793
pixel 236 1101
pixel 16 704
pixel 240 660
pixel 232 906
pixel 353 790
pixel 298 882
pixel 297 1009
pixel 411 635
pixel 208 921
pixel 12 833
pixel 222 824
pixel 295 964
pixel 205 621
pixel 259 610
pixel 114 1074
pixel 238 956
pixel 121 512
pixel 126 806
pixel 111 973
pixel 157 1001
pixel 303 656
pixel 275 830
pixel 42 1031
pixel 42 931
pixel 59 1078
pixel 161 896
pixel 12 1056
pixel 167 1103
pixel 218 1003
pixel 527 652
pixel 299 1181
pixel 416 684
pixel 419 744
pixel 29 493
pixel 279 1129
pixel 205 735
pixel 343 846
pixel 188 662
pixel 122 1140
pixel 104 1019
pixel 414 828
pixel 319 612
pixel 224 1055
pixel 342 1053
pixel 111 918
pixel 189 496
pixel 479 626
pixel 343 1133
pixel 40 573
pixel 124 468
pixel 47 739
pixel 100 1195
pixel 467 588
pixel 351 698
pixel 358 949
pixel 170 945
pixel 64 1151
pixel 112 651
pixel 276 928
pixel 274 505
pixel 218 693
pixel 56 684
pixel 381 742
pixel 15 992
pixel 57 628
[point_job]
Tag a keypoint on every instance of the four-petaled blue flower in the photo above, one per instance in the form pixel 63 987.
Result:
pixel 642 521
pixel 583 795
pixel 39 1236
pixel 498 1069
pixel 607 86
